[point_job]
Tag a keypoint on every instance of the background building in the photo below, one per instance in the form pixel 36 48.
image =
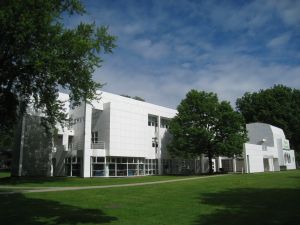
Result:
pixel 267 149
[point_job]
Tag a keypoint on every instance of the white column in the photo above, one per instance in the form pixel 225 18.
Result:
pixel 86 158
pixel 65 140
pixel 126 166
pixel 219 162
pixel 159 147
pixel 271 163
pixel 234 164
pixel 106 168
pixel 246 166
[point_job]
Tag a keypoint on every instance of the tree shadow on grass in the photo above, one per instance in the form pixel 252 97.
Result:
pixel 252 206
pixel 18 209
pixel 30 180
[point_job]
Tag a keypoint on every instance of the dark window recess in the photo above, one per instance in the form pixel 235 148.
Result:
pixel 152 121
pixel 95 137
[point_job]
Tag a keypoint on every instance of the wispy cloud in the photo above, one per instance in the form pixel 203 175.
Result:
pixel 279 40
pixel 288 11
pixel 149 49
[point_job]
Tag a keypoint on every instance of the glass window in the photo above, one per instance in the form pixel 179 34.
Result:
pixel 76 170
pixel 94 137
pixel 154 142
pixel 100 159
pixel 98 173
pixel 70 143
pixel 68 169
pixel 152 120
pixel 130 160
pixel 132 170
pixel 141 169
pixel 112 169
pixel 98 167
pixel 121 170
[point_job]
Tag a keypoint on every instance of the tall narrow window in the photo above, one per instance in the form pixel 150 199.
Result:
pixel 94 137
pixel 154 142
pixel 70 143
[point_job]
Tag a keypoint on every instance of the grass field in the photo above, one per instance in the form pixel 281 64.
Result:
pixel 4 174
pixel 6 180
pixel 261 199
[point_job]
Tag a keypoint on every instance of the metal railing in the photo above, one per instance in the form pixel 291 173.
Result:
pixel 98 145
pixel 75 146
pixel 79 146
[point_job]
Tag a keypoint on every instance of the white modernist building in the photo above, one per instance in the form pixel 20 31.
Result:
pixel 267 149
pixel 120 136
pixel 113 136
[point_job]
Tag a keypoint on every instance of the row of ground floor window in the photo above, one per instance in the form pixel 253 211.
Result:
pixel 134 166
pixel 113 166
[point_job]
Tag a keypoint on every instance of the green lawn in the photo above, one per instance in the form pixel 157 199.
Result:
pixel 261 199
pixel 4 174
pixel 6 180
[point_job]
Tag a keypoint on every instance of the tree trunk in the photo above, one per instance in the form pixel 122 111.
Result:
pixel 16 168
pixel 210 162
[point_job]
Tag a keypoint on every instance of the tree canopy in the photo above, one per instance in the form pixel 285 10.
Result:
pixel 203 125
pixel 278 106
pixel 39 56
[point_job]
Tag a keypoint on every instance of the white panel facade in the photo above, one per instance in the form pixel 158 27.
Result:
pixel 115 132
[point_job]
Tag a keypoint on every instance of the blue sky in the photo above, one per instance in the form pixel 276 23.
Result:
pixel 165 48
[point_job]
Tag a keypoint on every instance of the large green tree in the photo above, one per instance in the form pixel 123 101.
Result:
pixel 278 106
pixel 203 125
pixel 39 56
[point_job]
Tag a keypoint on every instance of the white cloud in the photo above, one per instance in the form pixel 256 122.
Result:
pixel 279 40
pixel 229 78
pixel 186 65
pixel 288 10
pixel 149 49
pixel 228 16
pixel 132 28
pixel 160 57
